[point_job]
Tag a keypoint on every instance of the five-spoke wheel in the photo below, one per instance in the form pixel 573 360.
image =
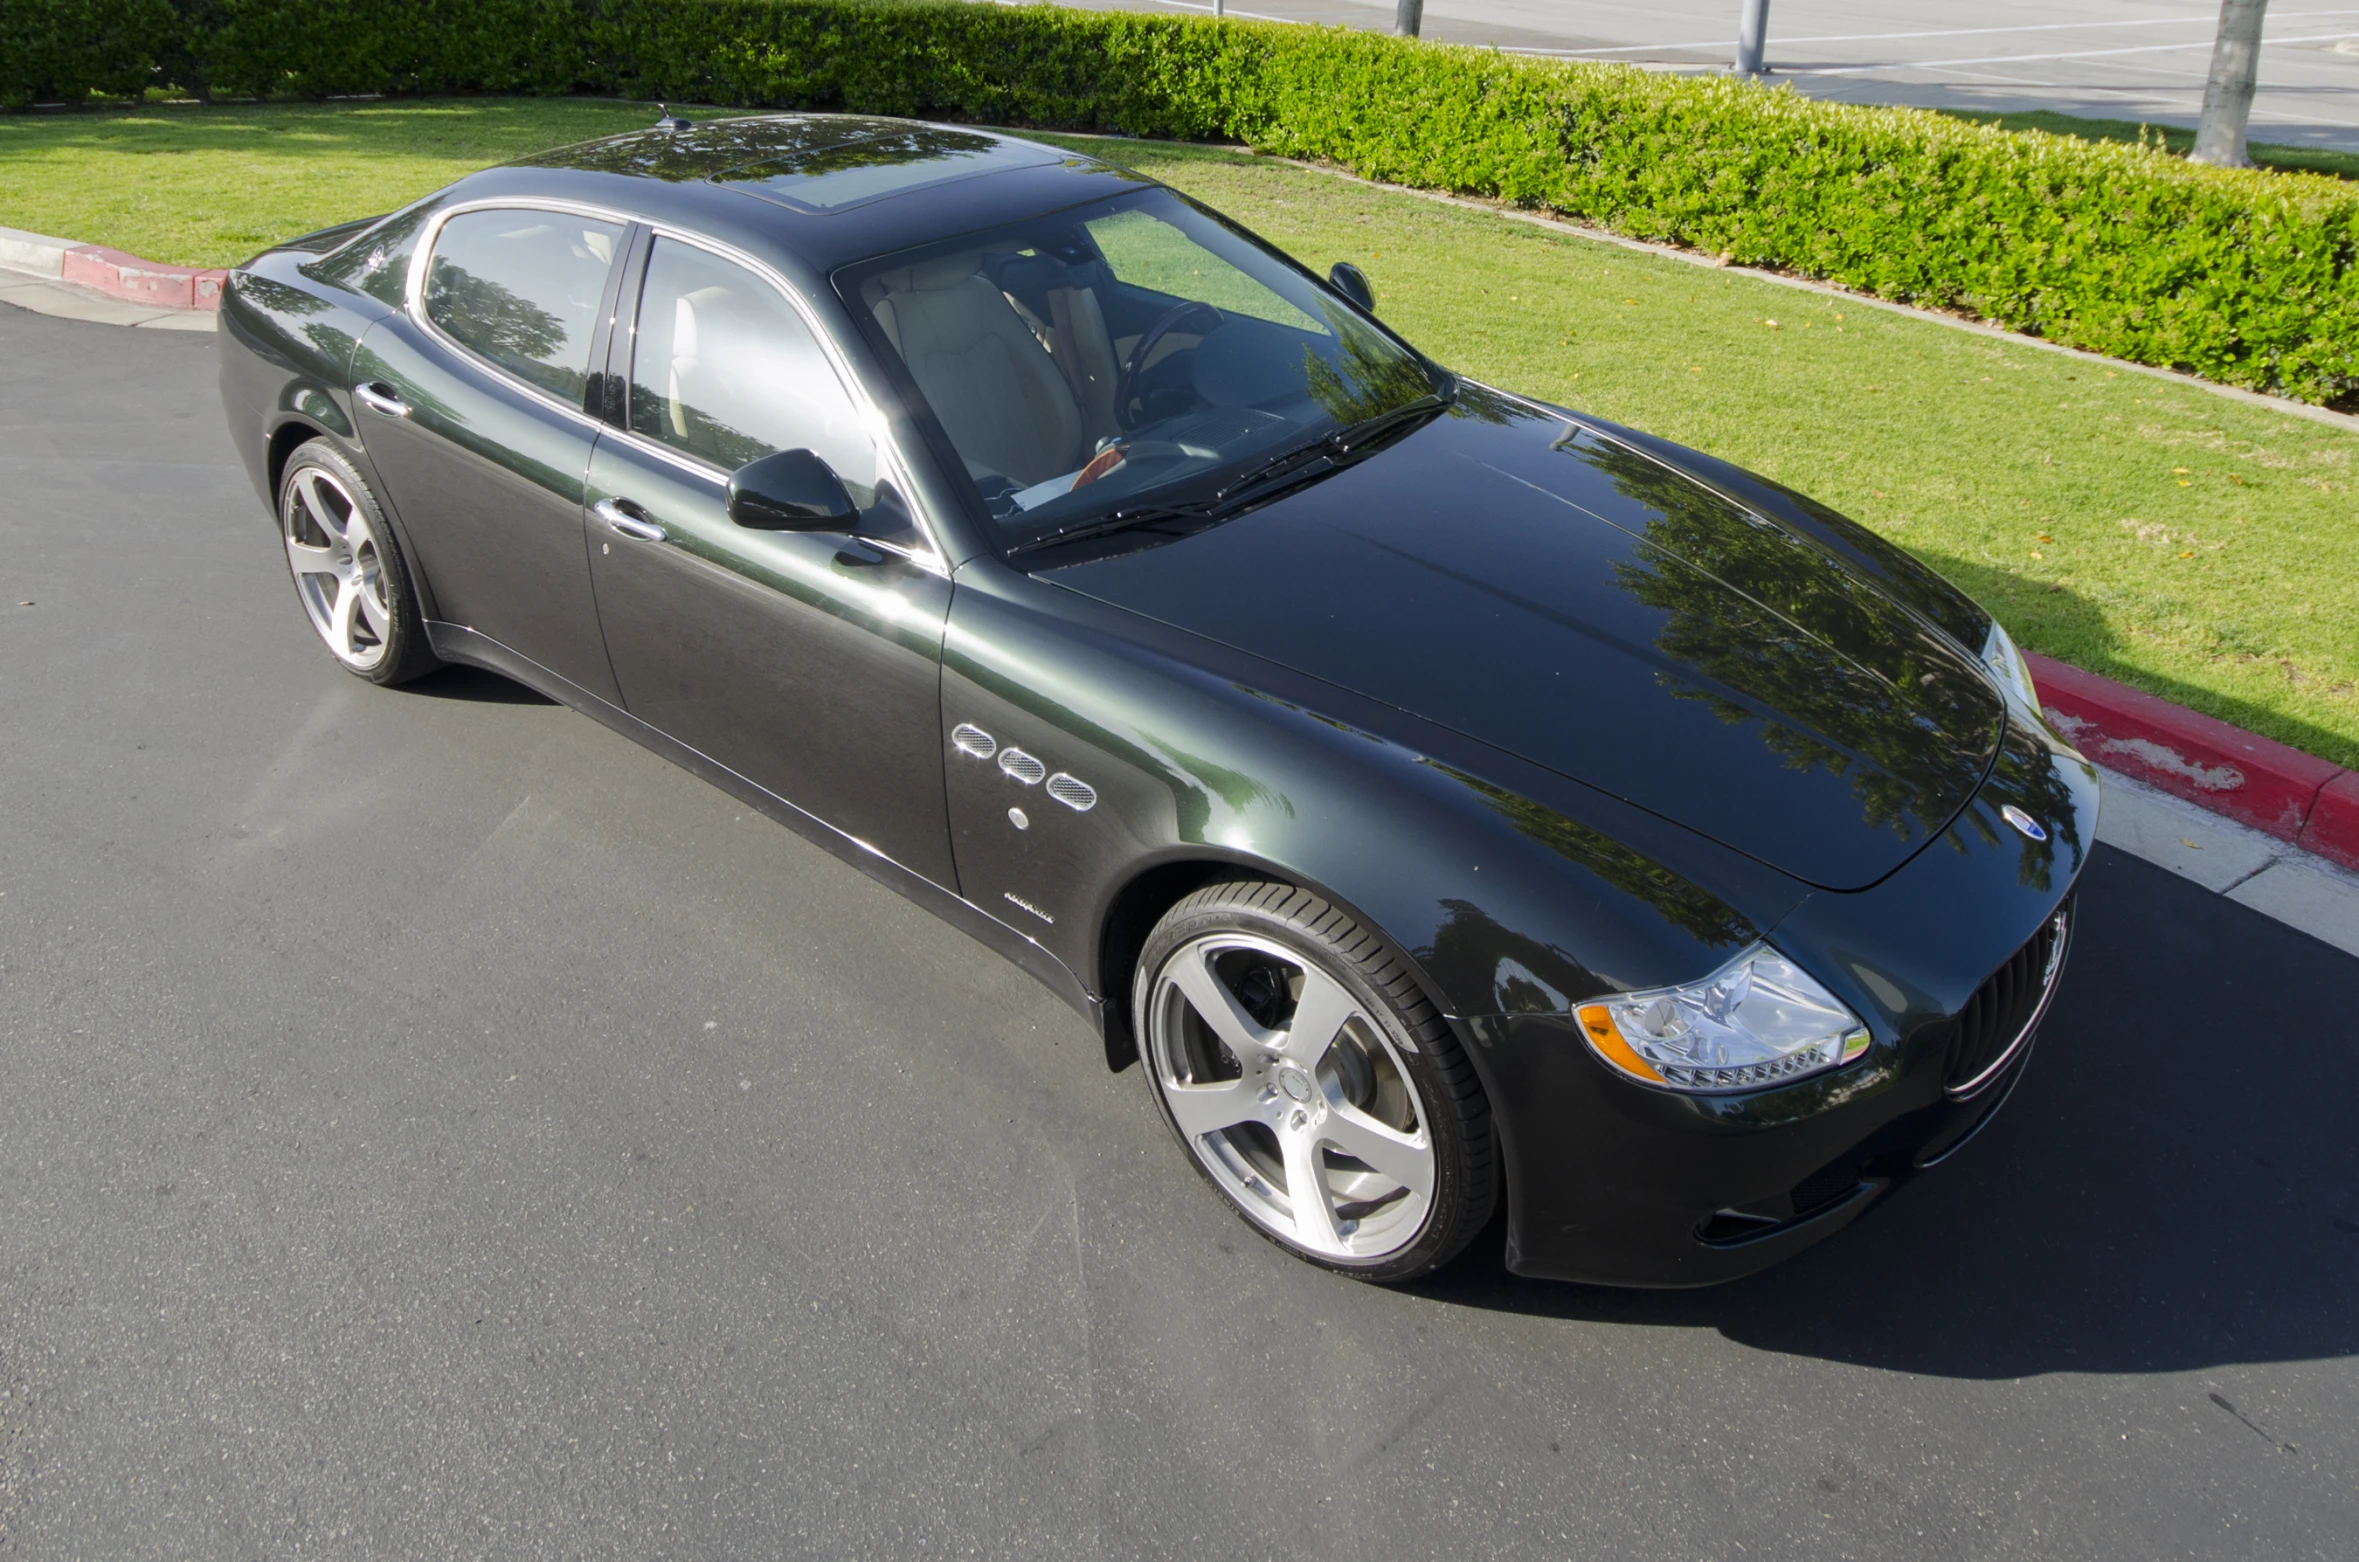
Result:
pixel 347 571
pixel 1311 1082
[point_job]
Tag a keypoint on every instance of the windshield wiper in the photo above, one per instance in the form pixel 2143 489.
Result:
pixel 1119 521
pixel 1281 470
pixel 1333 446
pixel 1369 430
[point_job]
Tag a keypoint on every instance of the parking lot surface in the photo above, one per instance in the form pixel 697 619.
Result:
pixel 2100 59
pixel 432 1126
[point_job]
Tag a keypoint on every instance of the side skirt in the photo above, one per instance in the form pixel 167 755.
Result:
pixel 456 643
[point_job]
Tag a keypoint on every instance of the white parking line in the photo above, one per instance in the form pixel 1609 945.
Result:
pixel 1965 32
pixel 2033 59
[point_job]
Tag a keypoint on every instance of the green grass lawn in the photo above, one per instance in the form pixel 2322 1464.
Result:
pixel 2192 545
pixel 209 187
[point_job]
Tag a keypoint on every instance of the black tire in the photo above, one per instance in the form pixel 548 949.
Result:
pixel 361 577
pixel 1285 924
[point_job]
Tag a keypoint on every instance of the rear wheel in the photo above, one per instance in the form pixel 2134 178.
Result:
pixel 1312 1083
pixel 347 568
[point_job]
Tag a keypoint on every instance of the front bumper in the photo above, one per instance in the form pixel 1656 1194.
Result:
pixel 1615 1183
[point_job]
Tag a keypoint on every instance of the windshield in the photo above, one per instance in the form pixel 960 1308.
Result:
pixel 1093 363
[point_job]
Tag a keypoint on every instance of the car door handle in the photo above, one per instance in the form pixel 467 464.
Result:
pixel 626 517
pixel 378 397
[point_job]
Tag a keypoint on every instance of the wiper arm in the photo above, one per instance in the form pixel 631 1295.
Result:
pixel 1368 429
pixel 1283 462
pixel 1298 462
pixel 1119 521
pixel 1332 446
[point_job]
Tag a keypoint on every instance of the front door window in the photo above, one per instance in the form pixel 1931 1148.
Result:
pixel 724 369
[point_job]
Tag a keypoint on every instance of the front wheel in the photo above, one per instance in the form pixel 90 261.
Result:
pixel 1312 1082
pixel 347 568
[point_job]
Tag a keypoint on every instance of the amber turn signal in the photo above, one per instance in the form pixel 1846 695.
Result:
pixel 1606 1037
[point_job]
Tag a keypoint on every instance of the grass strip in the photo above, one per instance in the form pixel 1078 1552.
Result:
pixel 2200 548
pixel 196 186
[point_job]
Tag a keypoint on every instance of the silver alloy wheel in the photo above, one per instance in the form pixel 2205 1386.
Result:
pixel 339 569
pixel 1310 1124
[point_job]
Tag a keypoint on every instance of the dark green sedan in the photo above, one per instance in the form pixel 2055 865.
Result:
pixel 1447 800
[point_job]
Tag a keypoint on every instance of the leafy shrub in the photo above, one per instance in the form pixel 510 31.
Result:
pixel 2243 277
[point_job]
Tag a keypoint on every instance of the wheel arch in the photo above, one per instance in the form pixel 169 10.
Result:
pixel 1152 888
pixel 290 433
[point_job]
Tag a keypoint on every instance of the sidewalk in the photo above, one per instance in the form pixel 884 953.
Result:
pixel 45 297
pixel 76 281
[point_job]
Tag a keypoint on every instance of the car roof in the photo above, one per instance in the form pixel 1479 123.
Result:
pixel 830 188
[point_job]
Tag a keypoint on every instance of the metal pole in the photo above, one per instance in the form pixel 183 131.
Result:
pixel 2228 94
pixel 1752 37
pixel 1220 7
pixel 1408 17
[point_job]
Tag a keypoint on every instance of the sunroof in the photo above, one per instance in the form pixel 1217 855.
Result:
pixel 826 179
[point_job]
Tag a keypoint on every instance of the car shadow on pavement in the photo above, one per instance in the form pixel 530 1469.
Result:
pixel 2174 1185
pixel 473 684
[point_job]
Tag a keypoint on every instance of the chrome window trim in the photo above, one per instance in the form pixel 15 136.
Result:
pixel 871 416
pixel 931 558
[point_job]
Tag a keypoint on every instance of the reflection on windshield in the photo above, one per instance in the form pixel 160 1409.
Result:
pixel 1132 355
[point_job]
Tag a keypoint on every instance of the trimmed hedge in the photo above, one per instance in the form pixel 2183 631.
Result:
pixel 2242 277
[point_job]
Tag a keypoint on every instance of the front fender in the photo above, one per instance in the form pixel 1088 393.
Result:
pixel 1511 888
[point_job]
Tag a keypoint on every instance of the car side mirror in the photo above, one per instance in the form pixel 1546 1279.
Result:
pixel 790 491
pixel 1352 283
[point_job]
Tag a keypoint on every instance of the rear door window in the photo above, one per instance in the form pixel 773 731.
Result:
pixel 521 289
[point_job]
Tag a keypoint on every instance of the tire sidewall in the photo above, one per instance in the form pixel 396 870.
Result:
pixel 407 653
pixel 1412 1037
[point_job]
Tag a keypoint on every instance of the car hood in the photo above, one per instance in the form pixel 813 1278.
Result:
pixel 1556 593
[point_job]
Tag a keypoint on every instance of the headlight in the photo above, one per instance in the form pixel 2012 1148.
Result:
pixel 2001 657
pixel 1758 1020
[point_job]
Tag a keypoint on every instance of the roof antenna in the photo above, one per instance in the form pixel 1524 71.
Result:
pixel 669 120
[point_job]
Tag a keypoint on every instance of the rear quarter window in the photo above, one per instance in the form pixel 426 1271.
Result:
pixel 377 261
pixel 521 289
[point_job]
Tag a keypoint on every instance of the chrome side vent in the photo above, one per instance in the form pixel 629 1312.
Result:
pixel 1073 792
pixel 1021 766
pixel 973 741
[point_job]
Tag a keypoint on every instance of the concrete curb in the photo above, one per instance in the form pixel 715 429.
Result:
pixel 111 272
pixel 2279 791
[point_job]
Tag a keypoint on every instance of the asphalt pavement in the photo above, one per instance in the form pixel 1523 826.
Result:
pixel 2100 59
pixel 431 1126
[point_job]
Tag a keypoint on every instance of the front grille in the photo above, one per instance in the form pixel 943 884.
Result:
pixel 1999 1018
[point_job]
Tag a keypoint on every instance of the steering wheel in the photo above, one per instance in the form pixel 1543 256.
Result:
pixel 1169 321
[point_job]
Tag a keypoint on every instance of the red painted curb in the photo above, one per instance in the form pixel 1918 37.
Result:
pixel 2333 829
pixel 112 272
pixel 2280 791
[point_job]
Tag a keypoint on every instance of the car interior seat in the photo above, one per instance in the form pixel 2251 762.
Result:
pixel 744 378
pixel 1004 402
